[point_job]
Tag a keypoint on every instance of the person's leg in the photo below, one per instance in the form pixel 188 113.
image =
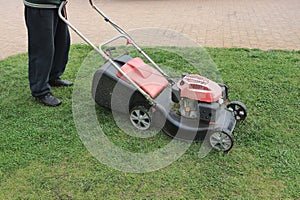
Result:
pixel 62 47
pixel 40 25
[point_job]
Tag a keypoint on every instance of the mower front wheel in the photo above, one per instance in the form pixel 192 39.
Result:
pixel 239 110
pixel 221 141
pixel 140 118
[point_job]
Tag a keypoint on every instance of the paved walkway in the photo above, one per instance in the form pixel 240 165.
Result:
pixel 264 24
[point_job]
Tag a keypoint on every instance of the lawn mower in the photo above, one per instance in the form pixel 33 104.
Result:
pixel 191 107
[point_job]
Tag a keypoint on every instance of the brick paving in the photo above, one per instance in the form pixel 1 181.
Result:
pixel 264 24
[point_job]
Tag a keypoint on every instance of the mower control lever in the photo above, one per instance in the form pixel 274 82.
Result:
pixel 109 50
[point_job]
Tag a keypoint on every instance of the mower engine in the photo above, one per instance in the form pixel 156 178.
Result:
pixel 199 97
pixel 204 109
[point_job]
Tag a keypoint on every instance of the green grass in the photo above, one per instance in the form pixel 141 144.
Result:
pixel 42 156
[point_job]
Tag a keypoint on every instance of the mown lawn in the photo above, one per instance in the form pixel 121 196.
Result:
pixel 42 156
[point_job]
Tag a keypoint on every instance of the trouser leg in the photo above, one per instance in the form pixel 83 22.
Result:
pixel 41 25
pixel 62 47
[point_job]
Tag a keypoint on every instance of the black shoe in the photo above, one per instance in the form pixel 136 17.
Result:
pixel 48 100
pixel 59 82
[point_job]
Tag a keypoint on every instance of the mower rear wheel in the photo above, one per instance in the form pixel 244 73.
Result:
pixel 221 141
pixel 239 110
pixel 140 117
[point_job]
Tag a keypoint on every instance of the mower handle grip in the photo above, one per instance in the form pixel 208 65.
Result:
pixel 91 2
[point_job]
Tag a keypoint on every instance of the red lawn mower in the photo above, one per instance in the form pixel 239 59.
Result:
pixel 191 107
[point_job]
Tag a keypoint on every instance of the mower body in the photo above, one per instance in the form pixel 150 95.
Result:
pixel 201 102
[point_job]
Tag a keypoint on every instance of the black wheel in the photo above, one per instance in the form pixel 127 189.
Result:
pixel 221 141
pixel 140 117
pixel 239 109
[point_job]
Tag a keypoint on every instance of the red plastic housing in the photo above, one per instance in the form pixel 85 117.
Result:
pixel 197 87
pixel 149 79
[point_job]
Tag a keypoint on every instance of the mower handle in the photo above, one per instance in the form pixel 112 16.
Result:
pixel 99 50
pixel 131 41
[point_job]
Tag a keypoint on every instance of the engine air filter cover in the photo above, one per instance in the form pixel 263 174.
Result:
pixel 197 87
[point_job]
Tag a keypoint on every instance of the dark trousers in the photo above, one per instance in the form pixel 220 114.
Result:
pixel 48 48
